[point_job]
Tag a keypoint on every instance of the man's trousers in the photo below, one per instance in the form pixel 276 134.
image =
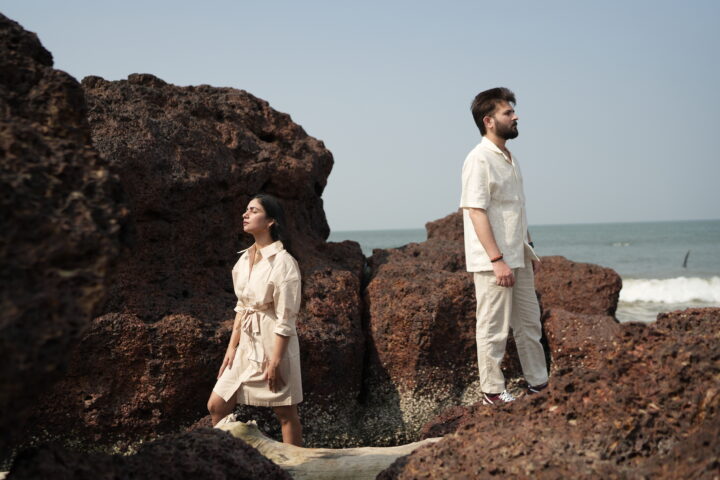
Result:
pixel 498 310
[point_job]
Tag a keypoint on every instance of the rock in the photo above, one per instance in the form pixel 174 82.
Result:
pixel 579 340
pixel 320 463
pixel 420 305
pixel 421 321
pixel 207 454
pixel 130 378
pixel 573 340
pixel 61 220
pixel 577 287
pixel 189 159
pixel 620 417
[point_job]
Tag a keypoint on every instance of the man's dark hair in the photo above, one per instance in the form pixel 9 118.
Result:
pixel 485 103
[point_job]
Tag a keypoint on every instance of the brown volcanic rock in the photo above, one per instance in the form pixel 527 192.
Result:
pixel 658 386
pixel 577 287
pixel 579 340
pixel 420 305
pixel 133 376
pixel 329 325
pixel 190 158
pixel 421 324
pixel 206 453
pixel 422 319
pixel 573 340
pixel 60 223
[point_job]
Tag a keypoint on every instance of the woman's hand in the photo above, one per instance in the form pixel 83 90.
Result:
pixel 272 375
pixel 228 360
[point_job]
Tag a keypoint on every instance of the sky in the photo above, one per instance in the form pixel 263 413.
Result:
pixel 618 100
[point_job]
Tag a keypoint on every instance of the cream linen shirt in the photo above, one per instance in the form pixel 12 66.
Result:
pixel 268 301
pixel 493 183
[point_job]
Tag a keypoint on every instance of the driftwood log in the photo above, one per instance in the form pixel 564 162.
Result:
pixel 320 463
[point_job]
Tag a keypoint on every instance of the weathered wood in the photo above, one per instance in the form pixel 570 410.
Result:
pixel 320 463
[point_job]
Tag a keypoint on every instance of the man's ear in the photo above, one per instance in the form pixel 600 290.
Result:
pixel 488 121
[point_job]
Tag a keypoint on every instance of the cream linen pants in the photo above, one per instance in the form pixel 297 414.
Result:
pixel 498 310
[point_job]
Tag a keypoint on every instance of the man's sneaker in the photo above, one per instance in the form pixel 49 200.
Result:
pixel 497 398
pixel 536 389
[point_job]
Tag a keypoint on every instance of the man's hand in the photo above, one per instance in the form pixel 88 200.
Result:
pixel 536 266
pixel 503 274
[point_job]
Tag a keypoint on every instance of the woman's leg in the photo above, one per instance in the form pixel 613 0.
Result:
pixel 219 408
pixel 290 424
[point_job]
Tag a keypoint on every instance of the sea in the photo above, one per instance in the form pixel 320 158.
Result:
pixel 664 266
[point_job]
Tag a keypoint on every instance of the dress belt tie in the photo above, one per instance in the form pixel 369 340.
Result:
pixel 251 325
pixel 250 319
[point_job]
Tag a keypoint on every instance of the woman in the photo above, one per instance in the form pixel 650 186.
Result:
pixel 262 362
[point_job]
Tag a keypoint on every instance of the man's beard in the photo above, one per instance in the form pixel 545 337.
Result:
pixel 507 133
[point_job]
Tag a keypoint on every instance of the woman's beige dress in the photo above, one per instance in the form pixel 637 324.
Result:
pixel 268 302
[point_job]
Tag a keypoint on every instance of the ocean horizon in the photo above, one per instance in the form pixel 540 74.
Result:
pixel 664 265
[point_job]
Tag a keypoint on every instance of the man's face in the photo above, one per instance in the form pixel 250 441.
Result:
pixel 504 121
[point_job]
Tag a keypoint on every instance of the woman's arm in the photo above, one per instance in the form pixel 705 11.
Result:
pixel 272 372
pixel 286 298
pixel 232 345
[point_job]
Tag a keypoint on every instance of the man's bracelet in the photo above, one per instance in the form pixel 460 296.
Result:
pixel 499 257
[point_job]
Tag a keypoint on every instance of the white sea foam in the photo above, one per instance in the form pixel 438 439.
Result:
pixel 671 290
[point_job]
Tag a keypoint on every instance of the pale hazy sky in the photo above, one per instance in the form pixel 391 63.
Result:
pixel 618 100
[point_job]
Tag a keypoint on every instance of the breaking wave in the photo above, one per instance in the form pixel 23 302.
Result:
pixel 671 290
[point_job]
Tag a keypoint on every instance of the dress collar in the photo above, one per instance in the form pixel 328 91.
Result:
pixel 269 251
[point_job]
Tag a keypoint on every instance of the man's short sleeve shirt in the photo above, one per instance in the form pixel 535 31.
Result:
pixel 492 183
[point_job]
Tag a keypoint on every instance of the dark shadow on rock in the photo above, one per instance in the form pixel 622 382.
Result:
pixel 204 453
pixel 62 217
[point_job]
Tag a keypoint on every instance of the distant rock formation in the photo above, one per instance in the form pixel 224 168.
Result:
pixel 61 220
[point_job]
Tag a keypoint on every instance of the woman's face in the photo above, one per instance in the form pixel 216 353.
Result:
pixel 254 219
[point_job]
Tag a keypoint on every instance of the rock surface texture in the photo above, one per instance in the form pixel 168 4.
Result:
pixel 189 160
pixel 420 311
pixel 577 287
pixel 647 405
pixel 61 219
pixel 206 454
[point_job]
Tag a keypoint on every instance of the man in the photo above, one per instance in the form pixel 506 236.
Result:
pixel 499 251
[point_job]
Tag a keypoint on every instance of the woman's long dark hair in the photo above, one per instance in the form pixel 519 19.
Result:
pixel 274 211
